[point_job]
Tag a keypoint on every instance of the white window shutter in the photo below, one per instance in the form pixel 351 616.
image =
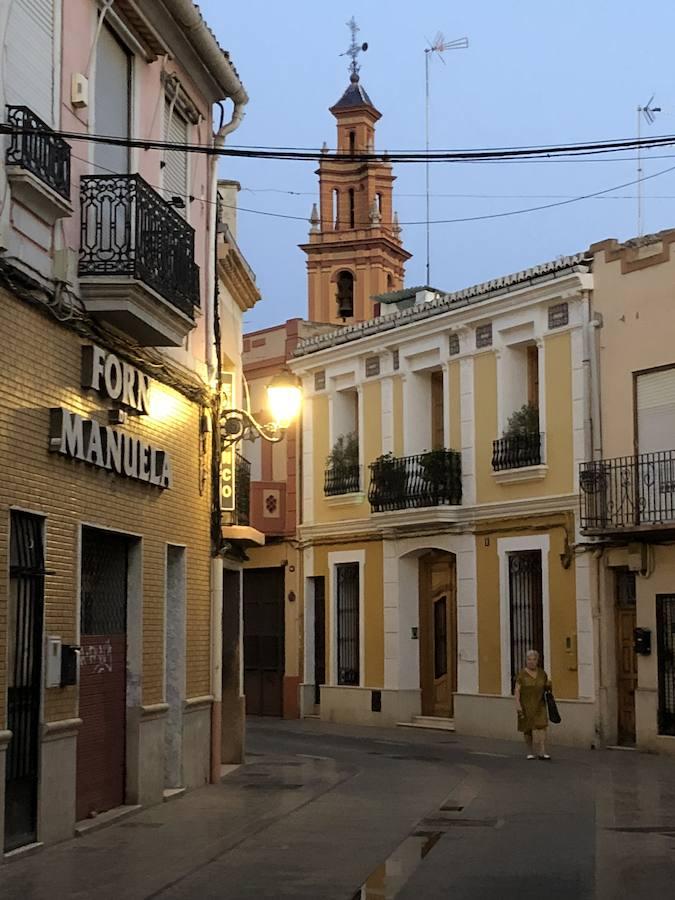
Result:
pixel 30 57
pixel 176 162
pixel 656 411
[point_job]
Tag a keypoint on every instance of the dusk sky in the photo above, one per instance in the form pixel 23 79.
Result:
pixel 534 73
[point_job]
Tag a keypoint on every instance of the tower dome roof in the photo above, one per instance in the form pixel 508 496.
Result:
pixel 355 95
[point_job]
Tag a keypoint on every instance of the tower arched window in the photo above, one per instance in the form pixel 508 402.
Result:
pixel 352 142
pixel 351 208
pixel 345 294
pixel 336 209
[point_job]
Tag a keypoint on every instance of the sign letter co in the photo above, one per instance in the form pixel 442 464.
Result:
pixel 227 474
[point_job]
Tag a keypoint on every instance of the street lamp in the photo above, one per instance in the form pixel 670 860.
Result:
pixel 284 399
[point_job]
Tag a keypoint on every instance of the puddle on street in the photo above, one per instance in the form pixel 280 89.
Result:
pixel 389 878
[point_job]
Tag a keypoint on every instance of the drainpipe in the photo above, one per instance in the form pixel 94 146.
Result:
pixel 213 364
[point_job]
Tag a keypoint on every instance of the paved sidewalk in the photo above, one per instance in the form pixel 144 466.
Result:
pixel 319 810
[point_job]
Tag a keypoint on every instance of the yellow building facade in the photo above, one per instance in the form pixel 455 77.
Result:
pixel 441 447
pixel 628 488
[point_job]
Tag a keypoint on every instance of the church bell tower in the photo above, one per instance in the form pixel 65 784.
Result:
pixel 354 250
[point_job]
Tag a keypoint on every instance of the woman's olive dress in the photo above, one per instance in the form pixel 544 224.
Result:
pixel 532 700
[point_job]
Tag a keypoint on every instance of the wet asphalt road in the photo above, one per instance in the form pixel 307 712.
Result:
pixel 321 809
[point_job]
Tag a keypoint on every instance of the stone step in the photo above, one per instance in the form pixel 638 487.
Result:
pixel 435 723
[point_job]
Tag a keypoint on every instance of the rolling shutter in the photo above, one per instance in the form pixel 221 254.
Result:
pixel 176 162
pixel 30 57
pixel 656 411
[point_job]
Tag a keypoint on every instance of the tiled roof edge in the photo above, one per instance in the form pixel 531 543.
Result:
pixel 474 293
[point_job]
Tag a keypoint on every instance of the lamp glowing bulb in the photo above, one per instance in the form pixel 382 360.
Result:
pixel 284 398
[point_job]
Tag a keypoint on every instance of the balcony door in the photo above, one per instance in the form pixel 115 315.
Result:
pixel 112 103
pixel 438 633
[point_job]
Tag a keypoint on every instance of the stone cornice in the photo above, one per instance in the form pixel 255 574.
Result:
pixel 457 519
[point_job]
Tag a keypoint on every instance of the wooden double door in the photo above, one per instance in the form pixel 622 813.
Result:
pixel 264 641
pixel 438 633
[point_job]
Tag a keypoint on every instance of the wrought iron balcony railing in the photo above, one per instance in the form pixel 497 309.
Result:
pixel 242 490
pixel 341 479
pixel 628 492
pixel 128 229
pixel 409 482
pixel 516 451
pixel 36 148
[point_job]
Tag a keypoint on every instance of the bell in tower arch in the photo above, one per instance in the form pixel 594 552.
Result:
pixel 345 295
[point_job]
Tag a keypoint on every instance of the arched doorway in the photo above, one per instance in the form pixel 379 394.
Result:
pixel 438 632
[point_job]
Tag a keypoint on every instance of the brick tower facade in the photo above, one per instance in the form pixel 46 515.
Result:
pixel 354 250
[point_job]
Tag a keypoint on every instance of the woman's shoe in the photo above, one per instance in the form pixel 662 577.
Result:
pixel 531 756
pixel 544 756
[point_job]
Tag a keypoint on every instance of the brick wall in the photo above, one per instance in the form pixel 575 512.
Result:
pixel 40 364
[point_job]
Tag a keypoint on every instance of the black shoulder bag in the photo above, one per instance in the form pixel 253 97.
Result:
pixel 552 707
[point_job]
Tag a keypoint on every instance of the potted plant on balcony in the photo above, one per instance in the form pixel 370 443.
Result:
pixel 437 468
pixel 389 476
pixel 524 424
pixel 342 463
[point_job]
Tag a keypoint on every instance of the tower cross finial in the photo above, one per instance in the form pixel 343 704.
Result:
pixel 353 50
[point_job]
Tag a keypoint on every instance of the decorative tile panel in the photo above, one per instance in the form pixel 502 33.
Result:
pixel 453 344
pixel 484 336
pixel 558 315
pixel 319 381
pixel 372 366
pixel 395 360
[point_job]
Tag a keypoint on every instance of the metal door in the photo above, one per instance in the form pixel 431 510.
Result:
pixel 526 608
pixel 665 626
pixel 24 670
pixel 102 735
pixel 264 641
pixel 319 636
pixel 626 658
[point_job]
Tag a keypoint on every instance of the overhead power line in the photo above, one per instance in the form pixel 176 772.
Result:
pixel 308 155
pixel 500 215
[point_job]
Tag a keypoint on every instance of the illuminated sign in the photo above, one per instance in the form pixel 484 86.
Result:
pixel 227 457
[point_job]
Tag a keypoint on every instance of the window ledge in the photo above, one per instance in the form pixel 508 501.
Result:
pixel 525 473
pixel 353 498
pixel 32 192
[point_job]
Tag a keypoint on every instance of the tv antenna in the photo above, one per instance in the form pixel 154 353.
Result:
pixel 647 112
pixel 438 46
pixel 353 51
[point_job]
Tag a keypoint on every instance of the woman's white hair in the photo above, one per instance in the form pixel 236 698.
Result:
pixel 535 652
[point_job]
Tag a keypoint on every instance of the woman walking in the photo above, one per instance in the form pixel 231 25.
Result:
pixel 531 683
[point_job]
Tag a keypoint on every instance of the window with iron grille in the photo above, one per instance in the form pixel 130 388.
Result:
pixel 665 630
pixel 526 610
pixel 348 649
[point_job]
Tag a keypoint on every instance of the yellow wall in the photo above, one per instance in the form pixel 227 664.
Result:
pixel 373 606
pixel 637 333
pixel 559 426
pixel 562 605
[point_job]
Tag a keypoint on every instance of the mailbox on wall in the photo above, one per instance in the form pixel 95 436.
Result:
pixel 643 641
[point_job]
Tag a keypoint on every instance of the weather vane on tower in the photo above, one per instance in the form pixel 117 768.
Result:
pixel 354 49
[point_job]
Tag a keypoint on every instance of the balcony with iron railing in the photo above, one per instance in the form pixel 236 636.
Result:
pixel 517 451
pixel 427 479
pixel 38 164
pixel 628 494
pixel 341 478
pixel 137 264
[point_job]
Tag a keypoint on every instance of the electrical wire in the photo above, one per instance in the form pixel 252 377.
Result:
pixel 562 150
pixel 480 218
